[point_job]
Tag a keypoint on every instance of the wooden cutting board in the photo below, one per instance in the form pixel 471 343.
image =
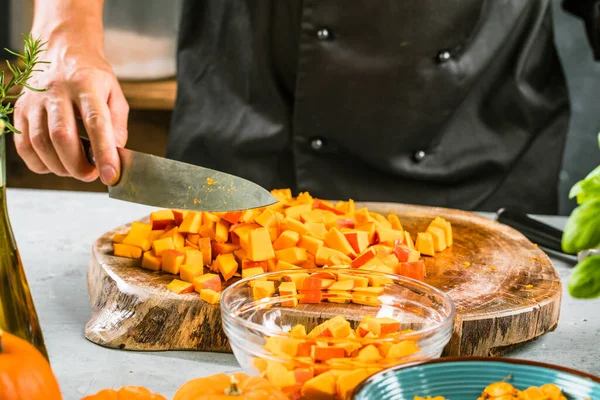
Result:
pixel 510 293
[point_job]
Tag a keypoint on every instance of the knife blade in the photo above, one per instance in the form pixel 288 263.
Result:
pixel 540 233
pixel 160 182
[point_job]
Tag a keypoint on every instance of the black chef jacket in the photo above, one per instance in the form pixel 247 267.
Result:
pixel 453 103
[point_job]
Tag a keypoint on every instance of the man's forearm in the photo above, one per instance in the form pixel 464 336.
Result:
pixel 80 20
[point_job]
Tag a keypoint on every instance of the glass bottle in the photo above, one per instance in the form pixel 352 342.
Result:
pixel 17 312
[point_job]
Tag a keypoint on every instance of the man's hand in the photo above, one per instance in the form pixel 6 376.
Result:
pixel 81 83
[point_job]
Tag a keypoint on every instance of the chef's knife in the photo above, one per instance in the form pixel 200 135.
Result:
pixel 160 182
pixel 542 234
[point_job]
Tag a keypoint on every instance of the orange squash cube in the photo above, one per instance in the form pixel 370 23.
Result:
pixel 209 217
pixel 321 387
pixel 294 212
pixel 389 235
pixel 138 235
pixel 289 289
pixel 248 272
pixel 208 229
pixel 162 245
pixel 403 349
pixel 118 237
pixel 282 195
pixel 316 229
pixel 151 261
pixel 194 257
pixel 370 228
pixel 221 231
pixel 179 287
pixel 223 248
pixel 311 244
pixel 346 383
pixel 227 265
pixel 284 266
pixel 127 250
pixel 205 247
pixel 286 239
pixel 179 215
pixel 395 222
pixel 161 218
pixel 309 263
pixel 362 216
pixel 363 258
pixel 439 238
pixel 368 300
pixel 188 272
pixel 326 353
pixel 247 264
pixel 262 289
pixel 408 241
pixel 232 217
pixel 342 285
pixel 441 223
pixel 325 253
pixel 327 206
pixel 154 235
pixel 359 240
pixel 259 245
pixel 266 219
pixel 367 290
pixel 313 216
pixel 293 225
pixel 292 255
pixel 191 223
pixel 424 243
pixel 273 233
pixel 336 240
pixel 207 281
pixel 369 353
pixel 359 281
pixel 178 239
pixel 210 296
pixel 383 326
pixel 296 277
pixel 172 260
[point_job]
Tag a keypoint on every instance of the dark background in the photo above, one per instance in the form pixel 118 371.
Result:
pixel 583 77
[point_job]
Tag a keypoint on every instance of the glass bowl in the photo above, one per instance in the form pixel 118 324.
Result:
pixel 392 320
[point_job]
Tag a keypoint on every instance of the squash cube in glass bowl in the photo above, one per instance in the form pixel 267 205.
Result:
pixel 321 332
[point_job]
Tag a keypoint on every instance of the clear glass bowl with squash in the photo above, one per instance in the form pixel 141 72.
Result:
pixel 318 333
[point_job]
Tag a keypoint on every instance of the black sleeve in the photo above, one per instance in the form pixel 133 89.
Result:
pixel 589 12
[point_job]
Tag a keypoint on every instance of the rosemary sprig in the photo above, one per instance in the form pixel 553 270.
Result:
pixel 20 76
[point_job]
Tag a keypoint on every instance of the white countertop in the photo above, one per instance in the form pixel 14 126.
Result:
pixel 55 231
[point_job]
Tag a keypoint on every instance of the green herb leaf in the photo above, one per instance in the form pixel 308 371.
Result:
pixel 582 230
pixel 590 186
pixel 30 59
pixel 584 282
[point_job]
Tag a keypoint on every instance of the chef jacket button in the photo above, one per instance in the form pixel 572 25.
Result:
pixel 443 56
pixel 316 144
pixel 419 155
pixel 324 34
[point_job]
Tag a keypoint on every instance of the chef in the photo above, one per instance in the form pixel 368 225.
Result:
pixel 451 103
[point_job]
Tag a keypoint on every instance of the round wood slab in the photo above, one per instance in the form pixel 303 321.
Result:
pixel 510 293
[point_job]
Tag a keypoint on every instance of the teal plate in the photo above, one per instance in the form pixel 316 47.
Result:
pixel 465 378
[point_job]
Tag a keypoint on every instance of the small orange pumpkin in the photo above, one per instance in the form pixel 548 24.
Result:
pixel 238 386
pixel 24 371
pixel 125 393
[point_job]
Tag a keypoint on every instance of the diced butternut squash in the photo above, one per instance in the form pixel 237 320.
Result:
pixel 154 235
pixel 138 235
pixel 347 382
pixel 205 247
pixel 179 216
pixel 118 237
pixel 259 245
pixel 162 245
pixel 408 240
pixel 395 222
pixel 221 231
pixel 172 260
pixel 363 258
pixel 294 212
pixel 424 243
pixel 359 240
pixel 321 387
pixel 194 257
pixel 263 289
pixel 342 285
pixel 266 219
pixel 207 281
pixel 179 287
pixel 292 255
pixel 325 353
pixel 191 223
pixel 127 250
pixel 284 266
pixel 441 223
pixel 414 270
pixel 359 281
pixel 248 272
pixel 289 289
pixel 403 349
pixel 316 229
pixel 369 353
pixel 161 218
pixel 227 265
pixel 210 296
pixel 311 244
pixel 383 326
pixel 368 227
pixel 188 272
pixel 389 235
pixel 439 239
pixel 293 225
pixel 233 216
pixel 208 230
pixel 337 240
pixel 296 277
pixel 286 239
pixel 151 261
pixel 325 253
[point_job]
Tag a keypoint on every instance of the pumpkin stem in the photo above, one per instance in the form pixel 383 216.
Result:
pixel 233 389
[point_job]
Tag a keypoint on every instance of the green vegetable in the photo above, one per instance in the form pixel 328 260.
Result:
pixel 585 279
pixel 29 59
pixel 582 230
pixel 587 188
